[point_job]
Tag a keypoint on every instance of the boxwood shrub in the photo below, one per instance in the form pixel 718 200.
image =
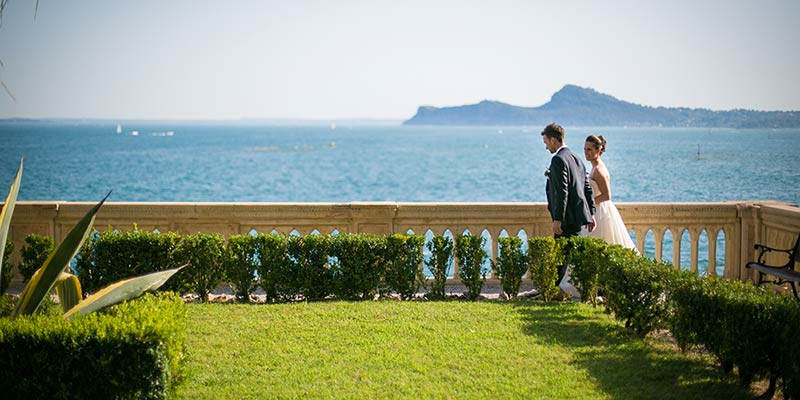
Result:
pixel 241 262
pixel 743 325
pixel 274 267
pixel 358 265
pixel 132 350
pixel 204 255
pixel 471 255
pixel 403 264
pixel 545 254
pixel 34 253
pixel 441 249
pixel 113 255
pixel 511 265
pixel 8 269
pixel 310 274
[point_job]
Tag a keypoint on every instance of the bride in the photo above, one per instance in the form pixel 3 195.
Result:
pixel 610 226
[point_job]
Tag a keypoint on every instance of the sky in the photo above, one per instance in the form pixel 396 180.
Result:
pixel 377 59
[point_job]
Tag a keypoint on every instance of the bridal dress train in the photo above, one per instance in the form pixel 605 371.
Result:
pixel 610 226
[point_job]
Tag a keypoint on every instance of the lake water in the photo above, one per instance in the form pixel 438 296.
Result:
pixel 233 162
pixel 238 163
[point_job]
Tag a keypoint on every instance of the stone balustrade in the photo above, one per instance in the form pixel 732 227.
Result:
pixel 737 225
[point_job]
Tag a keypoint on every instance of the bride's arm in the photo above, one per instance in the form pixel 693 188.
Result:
pixel 602 184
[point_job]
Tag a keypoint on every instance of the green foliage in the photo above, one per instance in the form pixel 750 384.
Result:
pixel 589 261
pixel 309 270
pixel 511 265
pixel 132 350
pixel 113 255
pixel 545 254
pixel 6 306
pixel 638 290
pixel 403 261
pixel 441 249
pixel 471 255
pixel 241 264
pixel 359 265
pixel 787 319
pixel 6 274
pixel 204 254
pixel 34 253
pixel 274 267
pixel 743 325
pixel 43 280
pixel 5 217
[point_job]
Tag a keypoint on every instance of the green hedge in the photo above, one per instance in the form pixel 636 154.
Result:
pixel 241 262
pixel 545 254
pixel 746 327
pixel 204 254
pixel 403 260
pixel 638 290
pixel 511 265
pixel 34 253
pixel 8 269
pixel 273 266
pixel 310 275
pixel 471 255
pixel 588 257
pixel 441 249
pixel 112 256
pixel 132 350
pixel 358 265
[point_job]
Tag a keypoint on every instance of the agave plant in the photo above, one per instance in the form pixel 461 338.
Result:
pixel 54 273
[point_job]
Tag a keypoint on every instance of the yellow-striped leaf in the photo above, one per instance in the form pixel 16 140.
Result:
pixel 118 292
pixel 42 281
pixel 8 211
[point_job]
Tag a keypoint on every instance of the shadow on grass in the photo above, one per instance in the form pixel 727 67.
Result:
pixel 620 363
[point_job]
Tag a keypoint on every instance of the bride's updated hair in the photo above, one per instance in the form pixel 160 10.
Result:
pixel 598 141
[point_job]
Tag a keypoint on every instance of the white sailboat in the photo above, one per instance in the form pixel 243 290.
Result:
pixel 119 129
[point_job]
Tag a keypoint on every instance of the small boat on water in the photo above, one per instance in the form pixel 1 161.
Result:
pixel 119 129
pixel 134 133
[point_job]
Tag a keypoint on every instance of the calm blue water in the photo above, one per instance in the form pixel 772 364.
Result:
pixel 235 163
pixel 239 163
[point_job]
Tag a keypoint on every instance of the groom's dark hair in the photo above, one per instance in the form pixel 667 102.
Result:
pixel 554 130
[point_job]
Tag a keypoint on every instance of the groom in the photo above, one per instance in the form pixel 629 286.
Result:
pixel 569 194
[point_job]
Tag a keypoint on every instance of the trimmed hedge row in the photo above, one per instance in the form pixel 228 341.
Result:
pixel 309 267
pixel 132 350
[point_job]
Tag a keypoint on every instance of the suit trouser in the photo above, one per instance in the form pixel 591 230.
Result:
pixel 562 269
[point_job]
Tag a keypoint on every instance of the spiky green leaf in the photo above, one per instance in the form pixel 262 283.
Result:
pixel 120 291
pixel 8 211
pixel 45 277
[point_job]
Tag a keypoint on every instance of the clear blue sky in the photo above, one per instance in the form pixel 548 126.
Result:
pixel 193 59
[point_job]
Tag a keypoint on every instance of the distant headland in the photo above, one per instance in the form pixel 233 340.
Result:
pixel 578 106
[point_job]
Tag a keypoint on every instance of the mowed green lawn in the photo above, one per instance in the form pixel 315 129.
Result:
pixel 432 350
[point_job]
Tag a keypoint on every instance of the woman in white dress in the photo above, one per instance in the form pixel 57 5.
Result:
pixel 610 226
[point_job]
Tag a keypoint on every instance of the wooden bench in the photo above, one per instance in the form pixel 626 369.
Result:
pixel 784 273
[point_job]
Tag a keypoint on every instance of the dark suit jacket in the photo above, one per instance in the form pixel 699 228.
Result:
pixel 569 194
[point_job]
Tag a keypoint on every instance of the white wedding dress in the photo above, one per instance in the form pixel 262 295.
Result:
pixel 609 225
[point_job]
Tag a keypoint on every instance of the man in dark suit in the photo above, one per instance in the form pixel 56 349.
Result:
pixel 569 194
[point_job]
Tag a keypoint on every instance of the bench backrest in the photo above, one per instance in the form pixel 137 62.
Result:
pixel 796 251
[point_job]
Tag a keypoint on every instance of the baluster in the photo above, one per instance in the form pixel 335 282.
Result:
pixel 658 235
pixel 712 252
pixel 694 237
pixel 640 235
pixel 495 251
pixel 676 248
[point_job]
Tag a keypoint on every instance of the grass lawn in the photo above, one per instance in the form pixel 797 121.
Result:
pixel 430 350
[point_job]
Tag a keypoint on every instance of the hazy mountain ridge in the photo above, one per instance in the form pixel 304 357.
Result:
pixel 574 105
